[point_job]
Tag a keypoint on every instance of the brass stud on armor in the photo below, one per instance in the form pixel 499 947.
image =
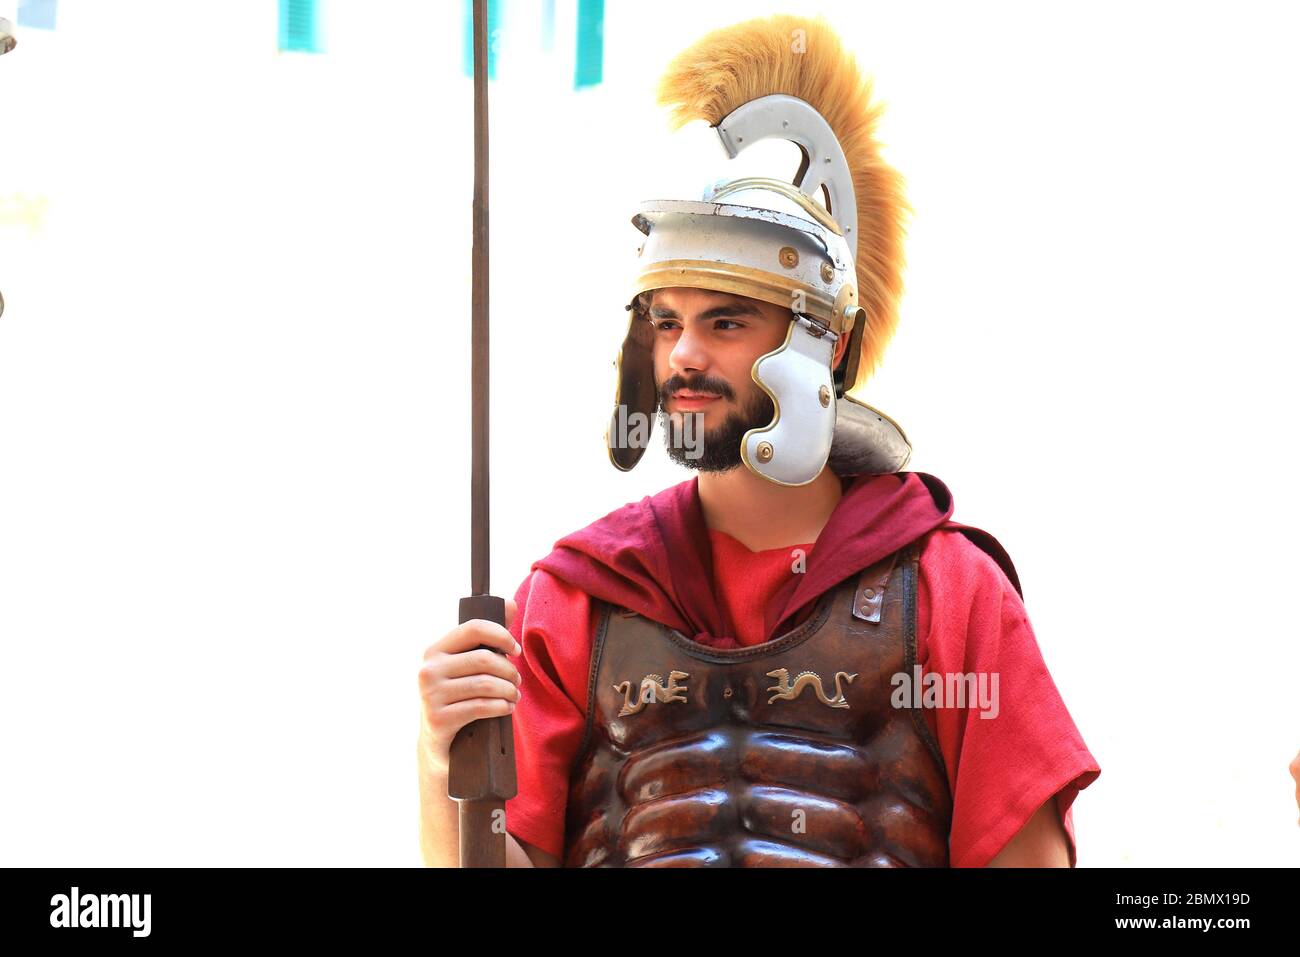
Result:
pixel 824 396
pixel 788 256
pixel 828 272
pixel 765 451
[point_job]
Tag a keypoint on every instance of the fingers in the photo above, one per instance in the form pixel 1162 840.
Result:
pixel 467 676
pixel 449 683
pixel 447 721
pixel 477 662
pixel 451 691
pixel 473 633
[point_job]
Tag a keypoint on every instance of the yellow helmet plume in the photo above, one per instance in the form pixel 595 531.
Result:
pixel 804 58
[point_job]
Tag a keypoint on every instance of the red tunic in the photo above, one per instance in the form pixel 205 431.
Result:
pixel 970 619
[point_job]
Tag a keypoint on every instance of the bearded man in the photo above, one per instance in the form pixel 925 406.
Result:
pixel 787 659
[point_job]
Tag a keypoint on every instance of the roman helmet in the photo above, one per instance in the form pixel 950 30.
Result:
pixel 826 244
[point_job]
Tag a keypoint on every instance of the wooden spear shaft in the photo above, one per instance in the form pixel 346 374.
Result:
pixel 481 775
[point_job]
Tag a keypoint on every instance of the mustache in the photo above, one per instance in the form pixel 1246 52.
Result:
pixel 702 384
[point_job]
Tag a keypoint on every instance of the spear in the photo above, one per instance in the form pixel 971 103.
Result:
pixel 481 773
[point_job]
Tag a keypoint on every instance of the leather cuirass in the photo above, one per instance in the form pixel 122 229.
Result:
pixel 787 753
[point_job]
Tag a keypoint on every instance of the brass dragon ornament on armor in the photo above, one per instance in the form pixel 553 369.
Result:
pixel 804 679
pixel 653 689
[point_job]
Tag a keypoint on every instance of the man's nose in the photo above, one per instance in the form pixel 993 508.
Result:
pixel 690 353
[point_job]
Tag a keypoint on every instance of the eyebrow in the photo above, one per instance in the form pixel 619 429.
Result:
pixel 734 309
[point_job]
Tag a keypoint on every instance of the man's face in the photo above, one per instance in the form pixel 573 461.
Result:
pixel 706 344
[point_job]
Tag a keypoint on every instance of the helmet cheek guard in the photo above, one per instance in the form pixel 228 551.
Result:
pixel 635 395
pixel 793 449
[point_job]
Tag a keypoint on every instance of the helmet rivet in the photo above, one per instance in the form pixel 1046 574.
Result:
pixel 824 394
pixel 828 272
pixel 765 451
pixel 789 258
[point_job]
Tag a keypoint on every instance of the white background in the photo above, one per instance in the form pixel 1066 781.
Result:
pixel 234 449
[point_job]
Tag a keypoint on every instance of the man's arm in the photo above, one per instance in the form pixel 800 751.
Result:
pixel 1040 843
pixel 533 856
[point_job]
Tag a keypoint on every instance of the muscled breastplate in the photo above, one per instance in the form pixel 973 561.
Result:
pixel 788 753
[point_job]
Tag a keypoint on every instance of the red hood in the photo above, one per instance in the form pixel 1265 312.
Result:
pixel 623 558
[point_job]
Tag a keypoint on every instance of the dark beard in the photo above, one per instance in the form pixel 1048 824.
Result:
pixel 721 446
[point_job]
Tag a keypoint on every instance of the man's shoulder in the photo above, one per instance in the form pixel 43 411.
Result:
pixel 964 553
pixel 541 587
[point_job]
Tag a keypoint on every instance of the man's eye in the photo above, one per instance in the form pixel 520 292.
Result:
pixel 671 325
